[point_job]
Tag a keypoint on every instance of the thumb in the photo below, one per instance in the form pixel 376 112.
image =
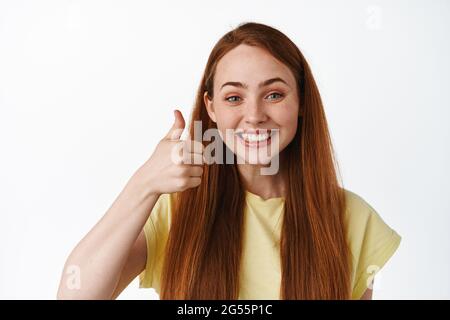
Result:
pixel 177 127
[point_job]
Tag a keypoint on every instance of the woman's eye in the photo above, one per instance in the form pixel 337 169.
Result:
pixel 272 96
pixel 276 94
pixel 235 99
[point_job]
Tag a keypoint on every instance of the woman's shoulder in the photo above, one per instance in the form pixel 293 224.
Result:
pixel 371 240
pixel 165 201
pixel 156 230
pixel 361 216
pixel 161 213
pixel 357 206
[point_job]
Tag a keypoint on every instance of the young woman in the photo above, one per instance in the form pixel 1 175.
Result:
pixel 197 230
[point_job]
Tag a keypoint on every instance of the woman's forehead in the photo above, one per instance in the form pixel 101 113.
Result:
pixel 250 65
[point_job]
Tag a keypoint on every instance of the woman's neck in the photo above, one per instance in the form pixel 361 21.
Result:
pixel 265 186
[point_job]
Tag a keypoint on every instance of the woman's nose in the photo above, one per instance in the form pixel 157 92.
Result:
pixel 255 114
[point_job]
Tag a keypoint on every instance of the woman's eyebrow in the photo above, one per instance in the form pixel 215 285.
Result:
pixel 245 86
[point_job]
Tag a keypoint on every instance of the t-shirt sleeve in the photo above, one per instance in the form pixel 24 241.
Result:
pixel 156 231
pixel 372 243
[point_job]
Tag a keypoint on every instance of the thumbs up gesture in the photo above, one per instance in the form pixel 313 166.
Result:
pixel 175 165
pixel 177 127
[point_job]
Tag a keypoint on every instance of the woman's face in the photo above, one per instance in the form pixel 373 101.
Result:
pixel 254 93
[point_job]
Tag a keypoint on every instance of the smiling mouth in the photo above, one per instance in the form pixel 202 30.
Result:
pixel 258 138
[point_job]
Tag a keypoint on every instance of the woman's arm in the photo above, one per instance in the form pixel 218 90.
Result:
pixel 114 251
pixel 100 257
pixel 134 266
pixel 368 293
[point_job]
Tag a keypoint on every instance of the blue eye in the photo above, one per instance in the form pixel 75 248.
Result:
pixel 227 99
pixel 276 93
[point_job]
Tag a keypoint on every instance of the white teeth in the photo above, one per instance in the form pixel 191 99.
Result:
pixel 255 137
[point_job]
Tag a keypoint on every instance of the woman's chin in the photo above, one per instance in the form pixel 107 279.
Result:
pixel 257 159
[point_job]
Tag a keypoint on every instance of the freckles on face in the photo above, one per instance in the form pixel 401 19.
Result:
pixel 253 90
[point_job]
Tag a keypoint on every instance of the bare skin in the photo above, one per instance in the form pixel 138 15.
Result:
pixel 113 253
pixel 367 295
pixel 246 97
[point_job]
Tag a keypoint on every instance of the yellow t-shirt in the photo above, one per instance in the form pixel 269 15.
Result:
pixel 372 242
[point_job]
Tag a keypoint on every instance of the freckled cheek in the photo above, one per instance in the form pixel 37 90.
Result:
pixel 288 125
pixel 227 120
pixel 287 118
pixel 292 130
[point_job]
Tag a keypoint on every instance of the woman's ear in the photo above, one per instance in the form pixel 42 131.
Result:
pixel 209 106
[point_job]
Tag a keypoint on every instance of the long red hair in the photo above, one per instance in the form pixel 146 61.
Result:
pixel 204 247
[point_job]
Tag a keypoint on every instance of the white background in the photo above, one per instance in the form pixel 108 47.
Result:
pixel 87 89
